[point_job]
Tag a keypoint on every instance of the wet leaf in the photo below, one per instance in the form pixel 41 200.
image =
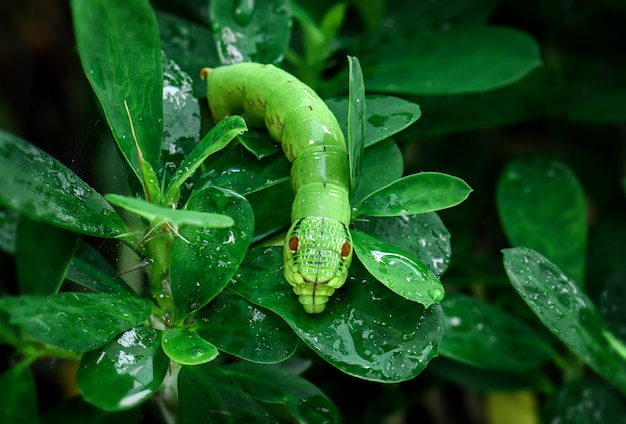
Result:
pixel 206 394
pixel 202 265
pixel 382 164
pixel 305 402
pixel 245 330
pixel 417 193
pixel 365 331
pixel 187 348
pixel 119 48
pixel 542 206
pixel 398 269
pixel 18 401
pixel 565 310
pixel 356 122
pixel 77 411
pixel 76 321
pixel 481 335
pixel 42 253
pixel 424 236
pixel 251 31
pixel 42 188
pixel 384 116
pixel 125 372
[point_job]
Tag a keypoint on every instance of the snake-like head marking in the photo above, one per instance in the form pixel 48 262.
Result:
pixel 318 252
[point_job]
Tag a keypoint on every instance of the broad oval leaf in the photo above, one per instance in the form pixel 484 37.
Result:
pixel 245 330
pixel 305 402
pixel 42 188
pixel 365 331
pixel 76 321
pixel 417 193
pixel 481 335
pixel 206 394
pixel 202 264
pixel 382 164
pixel 466 59
pixel 384 116
pixel 565 310
pixel 125 372
pixel 120 51
pixel 398 269
pixel 424 236
pixel 187 348
pixel 542 206
pixel 241 30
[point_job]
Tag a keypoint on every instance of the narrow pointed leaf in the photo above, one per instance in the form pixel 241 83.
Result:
pixel 356 122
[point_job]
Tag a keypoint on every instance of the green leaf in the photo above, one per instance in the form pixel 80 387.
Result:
pixel 356 122
pixel 565 310
pixel 258 142
pixel 89 269
pixel 483 336
pixel 305 402
pixel 398 270
pixel 466 59
pixel 584 402
pixel 157 214
pixel 212 142
pixel 42 188
pixel 245 330
pixel 424 236
pixel 384 116
pixel 365 331
pixel 542 206
pixel 417 193
pixel 611 304
pixel 118 44
pixel 18 401
pixel 42 253
pixel 202 265
pixel 187 348
pixel 206 394
pixel 382 164
pixel 125 372
pixel 241 31
pixel 76 321
pixel 597 95
pixel 8 229
pixel 239 170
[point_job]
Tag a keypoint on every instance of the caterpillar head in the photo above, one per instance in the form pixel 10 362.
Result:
pixel 318 252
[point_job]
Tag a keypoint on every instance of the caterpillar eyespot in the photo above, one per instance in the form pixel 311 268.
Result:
pixel 318 251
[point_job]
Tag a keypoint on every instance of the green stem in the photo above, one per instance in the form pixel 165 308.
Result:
pixel 159 250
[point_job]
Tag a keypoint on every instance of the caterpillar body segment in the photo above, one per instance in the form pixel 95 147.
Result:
pixel 318 247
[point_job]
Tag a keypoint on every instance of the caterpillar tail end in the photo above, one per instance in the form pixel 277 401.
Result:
pixel 204 72
pixel 313 297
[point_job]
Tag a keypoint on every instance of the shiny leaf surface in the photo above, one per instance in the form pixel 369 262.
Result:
pixel 382 164
pixel 424 236
pixel 417 193
pixel 366 330
pixel 565 310
pixel 356 122
pixel 398 270
pixel 245 330
pixel 125 372
pixel 118 43
pixel 187 348
pixel 202 265
pixel 76 321
pixel 42 188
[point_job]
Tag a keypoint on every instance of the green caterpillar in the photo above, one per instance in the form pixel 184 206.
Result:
pixel 318 247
